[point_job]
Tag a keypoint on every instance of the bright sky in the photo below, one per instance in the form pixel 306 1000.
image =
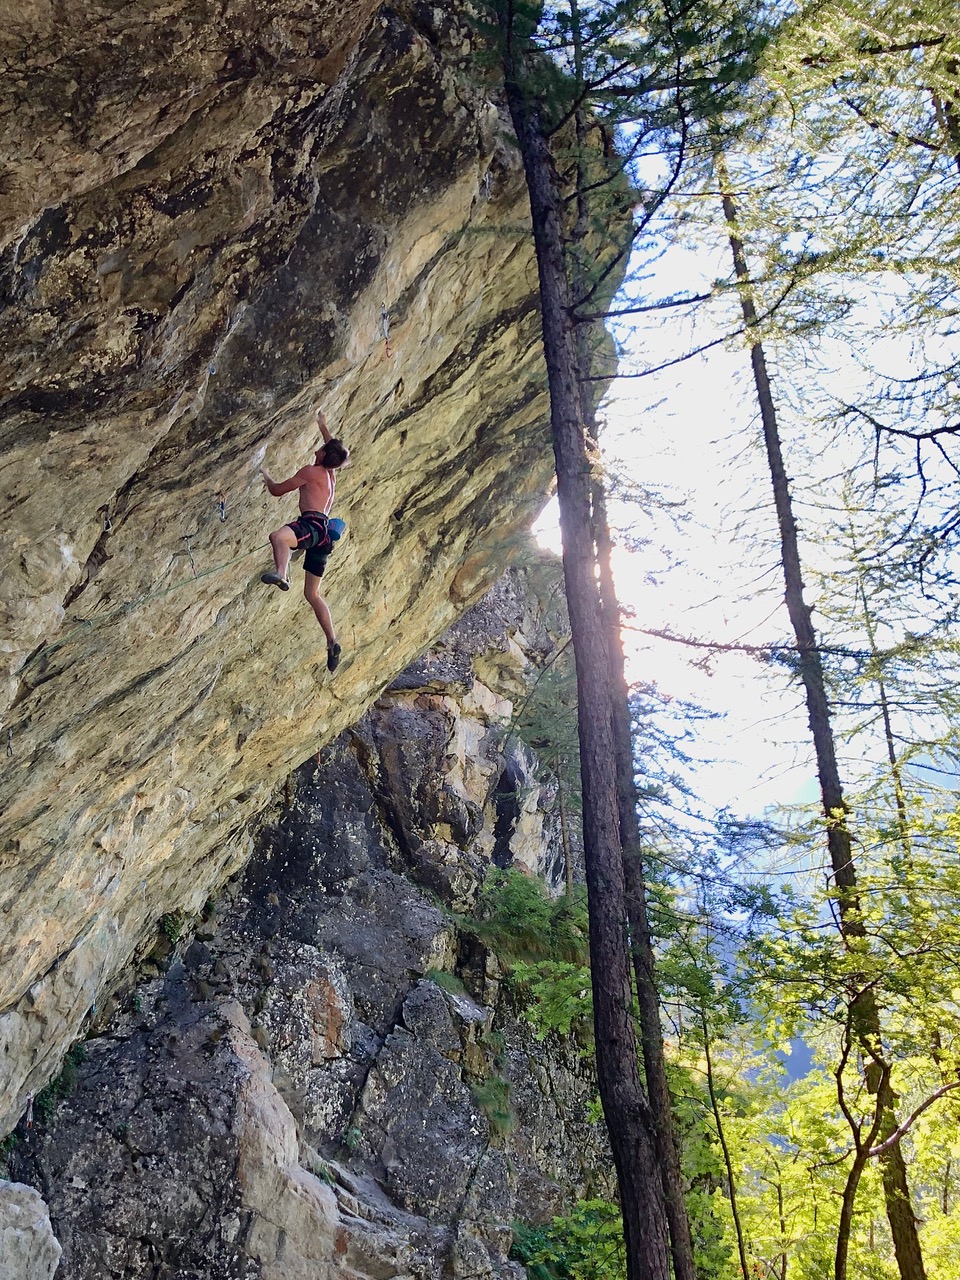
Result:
pixel 756 755
pixel 693 437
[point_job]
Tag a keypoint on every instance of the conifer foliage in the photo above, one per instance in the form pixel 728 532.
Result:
pixel 819 146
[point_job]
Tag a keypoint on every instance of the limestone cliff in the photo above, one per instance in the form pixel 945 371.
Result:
pixel 213 217
pixel 296 1087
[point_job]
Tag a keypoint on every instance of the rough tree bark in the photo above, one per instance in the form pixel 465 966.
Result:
pixel 625 1106
pixel 644 967
pixel 865 1015
pixel 641 944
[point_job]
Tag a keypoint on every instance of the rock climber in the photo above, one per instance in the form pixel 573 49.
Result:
pixel 317 484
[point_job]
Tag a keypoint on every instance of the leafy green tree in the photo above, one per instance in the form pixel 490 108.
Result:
pixel 863 1030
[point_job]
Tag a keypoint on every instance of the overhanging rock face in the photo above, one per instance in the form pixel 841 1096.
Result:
pixel 212 219
pixel 329 1074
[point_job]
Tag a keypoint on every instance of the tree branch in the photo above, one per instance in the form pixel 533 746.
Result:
pixel 883 128
pixel 879 426
pixel 649 306
pixel 899 1132
pixel 875 50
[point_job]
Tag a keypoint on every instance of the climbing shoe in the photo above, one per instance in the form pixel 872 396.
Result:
pixel 333 657
pixel 274 580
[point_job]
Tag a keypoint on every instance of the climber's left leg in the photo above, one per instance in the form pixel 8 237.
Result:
pixel 311 591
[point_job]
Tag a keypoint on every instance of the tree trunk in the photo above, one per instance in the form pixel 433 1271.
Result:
pixel 644 971
pixel 861 1152
pixel 624 1104
pixel 896 1193
pixel 845 1225
pixel 784 1259
pixel 641 945
pixel 865 1016
pixel 724 1147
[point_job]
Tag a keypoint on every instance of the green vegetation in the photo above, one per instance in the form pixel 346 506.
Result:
pixel 61 1086
pixel 518 920
pixel 352 1138
pixel 587 1244
pixel 447 981
pixel 559 994
pixel 171 926
pixel 492 1095
pixel 320 1169
pixel 542 943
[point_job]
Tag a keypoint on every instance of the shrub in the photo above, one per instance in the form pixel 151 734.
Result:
pixel 587 1244
pixel 518 920
pixel 171 926
pixel 561 997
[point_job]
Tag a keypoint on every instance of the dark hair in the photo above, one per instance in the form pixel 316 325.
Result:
pixel 334 454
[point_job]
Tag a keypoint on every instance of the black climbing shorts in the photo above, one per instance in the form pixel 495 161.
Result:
pixel 313 537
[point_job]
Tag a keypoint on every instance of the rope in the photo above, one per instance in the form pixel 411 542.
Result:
pixel 128 606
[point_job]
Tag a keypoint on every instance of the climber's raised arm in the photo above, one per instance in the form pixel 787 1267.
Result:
pixel 322 424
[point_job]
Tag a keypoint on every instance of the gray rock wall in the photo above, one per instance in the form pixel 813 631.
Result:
pixel 28 1247
pixel 296 1087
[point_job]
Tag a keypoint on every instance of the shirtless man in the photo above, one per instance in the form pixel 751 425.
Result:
pixel 317 484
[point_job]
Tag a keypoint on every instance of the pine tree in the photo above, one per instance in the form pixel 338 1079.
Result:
pixel 864 1031
pixel 625 1106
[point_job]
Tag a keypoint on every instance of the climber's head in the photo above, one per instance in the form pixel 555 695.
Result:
pixel 333 454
